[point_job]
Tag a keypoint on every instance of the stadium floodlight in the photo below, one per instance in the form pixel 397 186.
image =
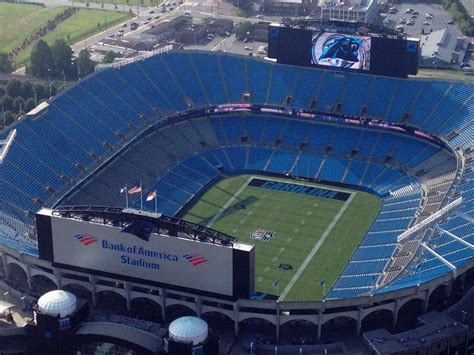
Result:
pixel 435 217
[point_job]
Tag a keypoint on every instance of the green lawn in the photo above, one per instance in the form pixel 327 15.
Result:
pixel 20 21
pixel 128 2
pixel 298 222
pixel 83 24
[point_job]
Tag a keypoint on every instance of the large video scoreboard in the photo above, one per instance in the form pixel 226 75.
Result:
pixel 380 55
pixel 154 251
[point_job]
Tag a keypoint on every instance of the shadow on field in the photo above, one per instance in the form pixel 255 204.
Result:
pixel 239 204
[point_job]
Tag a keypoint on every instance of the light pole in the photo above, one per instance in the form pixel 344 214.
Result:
pixel 463 315
pixel 23 301
pixel 6 296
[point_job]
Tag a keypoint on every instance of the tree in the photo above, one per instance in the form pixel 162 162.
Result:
pixel 14 88
pixel 84 63
pixel 52 89
pixel 243 29
pixel 18 105
pixel 40 91
pixel 8 118
pixel 2 91
pixel 26 90
pixel 29 104
pixel 6 103
pixel 41 59
pixel 245 5
pixel 62 56
pixel 6 65
pixel 109 57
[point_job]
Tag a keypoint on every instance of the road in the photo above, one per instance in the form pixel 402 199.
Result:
pixel 197 10
pixel 148 16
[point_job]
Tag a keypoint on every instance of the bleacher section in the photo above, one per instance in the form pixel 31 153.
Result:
pixel 82 134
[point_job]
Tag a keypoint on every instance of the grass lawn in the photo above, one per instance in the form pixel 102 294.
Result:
pixel 129 2
pixel 20 21
pixel 298 222
pixel 81 25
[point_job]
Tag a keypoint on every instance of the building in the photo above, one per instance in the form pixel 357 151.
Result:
pixel 443 48
pixel 353 11
pixel 161 32
pixel 288 7
pixel 260 31
pixel 439 334
pixel 191 34
pixel 165 31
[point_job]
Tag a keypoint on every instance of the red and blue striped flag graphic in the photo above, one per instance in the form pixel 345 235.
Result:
pixel 195 259
pixel 86 239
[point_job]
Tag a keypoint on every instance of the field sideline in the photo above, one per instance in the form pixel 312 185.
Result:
pixel 314 235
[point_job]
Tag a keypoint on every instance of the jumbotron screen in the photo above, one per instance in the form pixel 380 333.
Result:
pixel 341 51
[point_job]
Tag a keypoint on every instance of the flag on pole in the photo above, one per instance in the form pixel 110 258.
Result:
pixel 151 195
pixel 124 190
pixel 275 283
pixel 135 190
pixel 141 196
pixel 322 282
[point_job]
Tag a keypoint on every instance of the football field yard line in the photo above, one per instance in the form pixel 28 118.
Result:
pixel 228 203
pixel 316 248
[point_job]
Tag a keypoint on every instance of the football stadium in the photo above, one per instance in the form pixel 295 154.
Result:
pixel 216 184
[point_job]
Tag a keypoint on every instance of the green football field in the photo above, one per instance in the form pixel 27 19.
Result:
pixel 315 236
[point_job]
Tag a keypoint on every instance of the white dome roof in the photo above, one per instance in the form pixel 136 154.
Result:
pixel 188 329
pixel 57 302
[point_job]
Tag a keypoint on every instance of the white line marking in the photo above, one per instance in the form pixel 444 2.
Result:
pixel 315 248
pixel 228 203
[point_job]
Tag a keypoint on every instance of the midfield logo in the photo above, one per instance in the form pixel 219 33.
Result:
pixel 262 234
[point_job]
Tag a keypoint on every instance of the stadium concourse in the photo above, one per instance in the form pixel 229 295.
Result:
pixel 179 122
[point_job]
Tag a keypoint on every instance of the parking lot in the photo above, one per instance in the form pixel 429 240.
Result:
pixel 440 19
